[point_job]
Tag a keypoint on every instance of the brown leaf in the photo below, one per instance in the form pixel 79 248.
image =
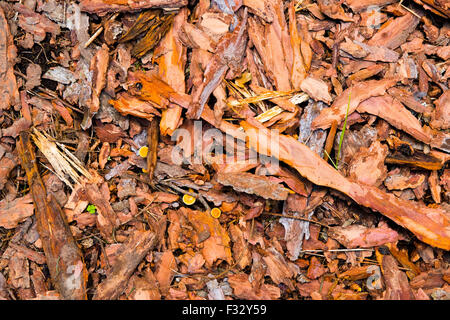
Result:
pixel 165 271
pixel 34 72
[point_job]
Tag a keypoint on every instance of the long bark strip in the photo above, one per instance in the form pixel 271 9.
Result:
pixel 102 7
pixel 152 140
pixel 428 224
pixel 64 257
pixel 129 256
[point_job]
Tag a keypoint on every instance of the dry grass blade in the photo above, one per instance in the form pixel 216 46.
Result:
pixel 64 163
pixel 269 114
pixel 244 93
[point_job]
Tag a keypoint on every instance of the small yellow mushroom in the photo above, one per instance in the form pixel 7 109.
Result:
pixel 188 199
pixel 215 213
pixel 143 151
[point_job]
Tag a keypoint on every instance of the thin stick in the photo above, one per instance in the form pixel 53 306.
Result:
pixel 94 36
pixel 193 194
pixel 336 250
pixel 296 218
pixel 98 31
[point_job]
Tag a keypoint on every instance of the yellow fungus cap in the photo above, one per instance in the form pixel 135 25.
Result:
pixel 143 151
pixel 188 199
pixel 215 213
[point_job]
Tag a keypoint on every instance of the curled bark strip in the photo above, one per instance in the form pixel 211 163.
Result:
pixel 430 225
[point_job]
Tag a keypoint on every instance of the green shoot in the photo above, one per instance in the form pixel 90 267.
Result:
pixel 341 138
pixel 91 209
pixel 332 162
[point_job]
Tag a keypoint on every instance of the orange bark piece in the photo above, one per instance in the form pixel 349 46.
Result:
pixel 16 211
pixel 315 269
pixel 243 289
pixel 217 244
pixel 394 32
pixel 359 92
pixel 171 69
pixel 165 271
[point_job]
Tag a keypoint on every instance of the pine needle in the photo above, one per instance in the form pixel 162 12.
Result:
pixel 341 138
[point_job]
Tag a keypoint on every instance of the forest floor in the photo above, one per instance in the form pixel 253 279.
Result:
pixel 214 149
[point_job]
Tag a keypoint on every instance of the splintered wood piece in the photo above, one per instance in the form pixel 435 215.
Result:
pixel 430 225
pixel 395 114
pixel 152 140
pixel 154 34
pixel 297 69
pixel 128 257
pixel 64 257
pixel 143 23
